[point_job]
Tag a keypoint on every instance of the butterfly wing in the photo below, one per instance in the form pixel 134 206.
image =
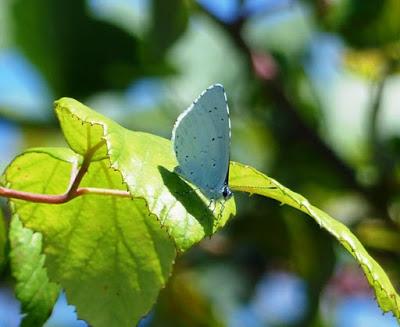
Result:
pixel 201 141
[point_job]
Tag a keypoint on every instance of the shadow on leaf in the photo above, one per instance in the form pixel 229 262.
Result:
pixel 189 198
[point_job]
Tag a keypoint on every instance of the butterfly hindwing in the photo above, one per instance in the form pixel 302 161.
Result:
pixel 201 140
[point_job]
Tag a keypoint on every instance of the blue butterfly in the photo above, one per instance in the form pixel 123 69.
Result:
pixel 201 139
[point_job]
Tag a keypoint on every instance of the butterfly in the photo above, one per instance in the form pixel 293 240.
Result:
pixel 201 140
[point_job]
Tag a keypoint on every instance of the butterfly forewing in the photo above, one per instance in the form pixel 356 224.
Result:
pixel 201 140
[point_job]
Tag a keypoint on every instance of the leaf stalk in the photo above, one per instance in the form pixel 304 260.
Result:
pixel 73 191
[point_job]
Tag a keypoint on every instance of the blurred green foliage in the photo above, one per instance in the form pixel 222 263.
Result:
pixel 75 53
pixel 3 243
pixel 363 23
pixel 314 120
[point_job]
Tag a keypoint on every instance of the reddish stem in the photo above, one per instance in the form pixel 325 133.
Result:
pixel 73 191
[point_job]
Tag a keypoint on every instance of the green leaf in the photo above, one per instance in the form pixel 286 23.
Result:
pixel 3 242
pixel 33 288
pixel 81 237
pixel 247 179
pixel 146 163
pixel 108 253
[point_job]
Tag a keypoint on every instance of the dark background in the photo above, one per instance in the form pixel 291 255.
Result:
pixel 314 98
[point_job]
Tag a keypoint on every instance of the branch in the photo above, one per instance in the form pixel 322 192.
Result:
pixel 73 191
pixel 385 186
pixel 374 115
pixel 60 198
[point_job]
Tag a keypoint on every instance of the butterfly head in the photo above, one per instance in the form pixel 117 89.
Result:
pixel 226 192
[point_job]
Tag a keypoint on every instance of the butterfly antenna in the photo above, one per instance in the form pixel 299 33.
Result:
pixel 222 209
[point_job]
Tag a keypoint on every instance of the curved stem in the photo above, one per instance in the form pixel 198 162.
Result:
pixel 84 168
pixel 73 191
pixel 33 197
pixel 60 198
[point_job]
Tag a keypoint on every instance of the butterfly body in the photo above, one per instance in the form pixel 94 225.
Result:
pixel 201 141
